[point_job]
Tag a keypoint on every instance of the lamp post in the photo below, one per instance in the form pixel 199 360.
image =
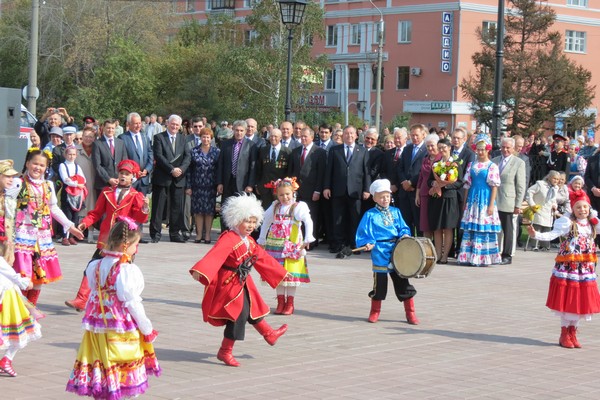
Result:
pixel 379 66
pixel 292 12
pixel 497 108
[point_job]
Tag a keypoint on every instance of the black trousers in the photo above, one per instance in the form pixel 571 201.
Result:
pixel 402 287
pixel 313 207
pixel 236 330
pixel 175 196
pixel 508 230
pixel 346 217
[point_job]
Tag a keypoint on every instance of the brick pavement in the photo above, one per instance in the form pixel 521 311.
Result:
pixel 484 334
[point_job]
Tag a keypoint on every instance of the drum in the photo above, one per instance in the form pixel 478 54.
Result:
pixel 414 257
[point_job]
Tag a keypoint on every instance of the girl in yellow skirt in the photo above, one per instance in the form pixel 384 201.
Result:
pixel 281 236
pixel 17 326
pixel 116 354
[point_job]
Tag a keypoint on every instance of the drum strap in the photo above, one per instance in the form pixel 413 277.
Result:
pixel 387 240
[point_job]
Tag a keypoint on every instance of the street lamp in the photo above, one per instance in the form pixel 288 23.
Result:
pixel 292 12
pixel 497 108
pixel 381 31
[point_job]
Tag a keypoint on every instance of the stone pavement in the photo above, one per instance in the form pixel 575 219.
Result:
pixel 484 334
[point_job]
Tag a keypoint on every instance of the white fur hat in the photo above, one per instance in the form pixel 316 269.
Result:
pixel 239 208
pixel 380 185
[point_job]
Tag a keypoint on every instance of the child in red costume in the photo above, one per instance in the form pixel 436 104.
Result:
pixel 121 200
pixel 231 297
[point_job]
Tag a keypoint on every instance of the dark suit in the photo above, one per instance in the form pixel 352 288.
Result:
pixel 292 143
pixel 389 169
pixel 104 162
pixel 466 155
pixel 592 179
pixel 165 187
pixel 144 158
pixel 267 171
pixel 310 176
pixel 409 168
pixel 325 215
pixel 374 163
pixel 347 181
pixel 258 140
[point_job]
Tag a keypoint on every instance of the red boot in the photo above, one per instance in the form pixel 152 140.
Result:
pixel 33 295
pixel 375 310
pixel 280 304
pixel 289 306
pixel 565 338
pixel 82 296
pixel 225 355
pixel 409 308
pixel 6 366
pixel 573 335
pixel 271 335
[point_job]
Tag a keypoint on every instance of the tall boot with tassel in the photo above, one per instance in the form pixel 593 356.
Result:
pixel 82 296
pixel 271 335
pixel 225 353
pixel 375 310
pixel 280 304
pixel 409 308
pixel 573 335
pixel 289 306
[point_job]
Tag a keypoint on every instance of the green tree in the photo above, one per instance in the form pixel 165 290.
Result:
pixel 539 81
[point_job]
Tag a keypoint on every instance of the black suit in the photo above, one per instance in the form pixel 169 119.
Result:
pixel 592 179
pixel 310 175
pixel 347 182
pixel 105 163
pixel 267 171
pixel 374 163
pixel 165 187
pixel 144 157
pixel 389 169
pixel 466 155
pixel 409 168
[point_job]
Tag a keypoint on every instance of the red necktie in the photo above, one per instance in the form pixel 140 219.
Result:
pixel 397 155
pixel 112 147
pixel 303 157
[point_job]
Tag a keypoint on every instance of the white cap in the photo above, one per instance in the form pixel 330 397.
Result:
pixel 380 185
pixel 69 130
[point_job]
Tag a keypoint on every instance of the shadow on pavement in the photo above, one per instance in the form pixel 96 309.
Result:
pixel 481 337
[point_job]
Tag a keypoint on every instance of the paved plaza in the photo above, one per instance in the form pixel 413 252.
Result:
pixel 484 334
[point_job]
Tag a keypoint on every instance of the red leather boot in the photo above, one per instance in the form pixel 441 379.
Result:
pixel 409 308
pixel 289 306
pixel 82 296
pixel 33 295
pixel 225 351
pixel 280 304
pixel 271 335
pixel 6 366
pixel 573 335
pixel 375 310
pixel 565 339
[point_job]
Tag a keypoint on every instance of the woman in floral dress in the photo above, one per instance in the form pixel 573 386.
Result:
pixel 480 220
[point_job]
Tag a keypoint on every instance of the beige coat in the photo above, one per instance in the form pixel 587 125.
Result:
pixel 538 195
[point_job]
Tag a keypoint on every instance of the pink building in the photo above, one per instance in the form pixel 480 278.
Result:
pixel 427 52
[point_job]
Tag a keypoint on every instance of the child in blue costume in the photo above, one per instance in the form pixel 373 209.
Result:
pixel 379 230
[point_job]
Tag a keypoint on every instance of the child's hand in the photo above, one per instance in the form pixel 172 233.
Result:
pixel 151 337
pixel 531 231
pixel 369 246
pixel 76 232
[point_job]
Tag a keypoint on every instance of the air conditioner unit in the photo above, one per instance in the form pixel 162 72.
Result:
pixel 415 71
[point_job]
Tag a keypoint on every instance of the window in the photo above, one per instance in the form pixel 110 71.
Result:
pixel 375 77
pixel 355 34
pixel 376 33
pixel 488 31
pixel 403 78
pixel 330 79
pixel 331 38
pixel 404 31
pixel 575 41
pixel 353 78
pixel 249 36
pixel 578 3
pixel 250 3
pixel 189 6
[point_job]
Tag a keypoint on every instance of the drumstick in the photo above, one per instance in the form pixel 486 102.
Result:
pixel 359 249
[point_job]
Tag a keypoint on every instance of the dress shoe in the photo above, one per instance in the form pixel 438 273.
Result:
pixel 506 261
pixel 143 241
pixel 155 240
pixel 73 241
pixel 177 239
pixel 336 249
pixel 65 242
pixel 185 237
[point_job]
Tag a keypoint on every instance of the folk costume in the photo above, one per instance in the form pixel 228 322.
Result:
pixel 382 227
pixel 116 354
pixel 112 203
pixel 573 293
pixel 231 297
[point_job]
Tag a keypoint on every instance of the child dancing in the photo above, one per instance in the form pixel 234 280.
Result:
pixel 573 294
pixel 231 297
pixel 281 236
pixel 116 353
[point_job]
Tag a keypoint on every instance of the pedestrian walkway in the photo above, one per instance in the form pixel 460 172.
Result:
pixel 485 333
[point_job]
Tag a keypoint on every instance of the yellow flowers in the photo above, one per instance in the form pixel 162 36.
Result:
pixel 529 212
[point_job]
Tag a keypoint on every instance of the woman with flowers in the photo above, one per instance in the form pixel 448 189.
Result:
pixel 35 256
pixel 480 221
pixel 445 181
pixel 422 198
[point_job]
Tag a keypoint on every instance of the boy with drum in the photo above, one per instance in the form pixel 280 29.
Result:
pixel 379 230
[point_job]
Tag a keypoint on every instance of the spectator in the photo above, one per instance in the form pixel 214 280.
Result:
pixel 271 165
pixel 388 143
pixel 543 193
pixel 589 149
pixel 73 181
pixel 107 153
pixel 53 117
pixel 423 186
pixel 576 163
pixel 84 160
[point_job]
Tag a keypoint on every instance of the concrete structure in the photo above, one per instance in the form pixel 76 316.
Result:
pixel 427 52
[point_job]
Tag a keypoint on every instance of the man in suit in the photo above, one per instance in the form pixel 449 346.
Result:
pixel 307 165
pixel 389 164
pixel 107 153
pixel 272 164
pixel 325 141
pixel 347 183
pixel 592 180
pixel 168 180
pixel 139 149
pixel 408 171
pixel 287 140
pixel 252 134
pixel 325 224
pixel 235 168
pixel 374 162
pixel 510 194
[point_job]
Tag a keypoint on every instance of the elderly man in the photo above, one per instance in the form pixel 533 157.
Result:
pixel 152 128
pixel 287 140
pixel 139 149
pixel 298 127
pixel 53 117
pixel 168 181
pixel 252 133
pixel 510 194
pixel 389 164
pixel 272 164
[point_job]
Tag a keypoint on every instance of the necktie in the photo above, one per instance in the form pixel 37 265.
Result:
pixel 122 194
pixel 323 145
pixel 236 154
pixel 173 142
pixel 303 157
pixel 273 155
pixel 415 150
pixel 197 141
pixel 503 164
pixel 397 155
pixel 455 153
pixel 284 143
pixel 138 145
pixel 112 147
pixel 348 154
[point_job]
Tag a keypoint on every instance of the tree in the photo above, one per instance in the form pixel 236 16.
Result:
pixel 539 80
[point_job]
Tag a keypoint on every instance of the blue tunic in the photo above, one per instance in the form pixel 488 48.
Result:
pixel 382 231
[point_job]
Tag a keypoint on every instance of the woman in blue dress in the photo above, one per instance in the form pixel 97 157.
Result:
pixel 480 220
pixel 201 184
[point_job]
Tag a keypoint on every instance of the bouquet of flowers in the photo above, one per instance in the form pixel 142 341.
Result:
pixel 529 212
pixel 447 171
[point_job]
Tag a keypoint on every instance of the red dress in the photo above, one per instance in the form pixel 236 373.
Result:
pixel 130 206
pixel 224 293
